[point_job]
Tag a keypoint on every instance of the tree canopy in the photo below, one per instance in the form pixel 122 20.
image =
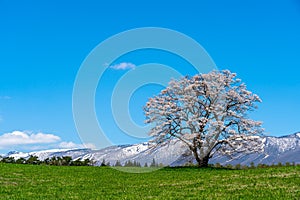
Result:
pixel 208 113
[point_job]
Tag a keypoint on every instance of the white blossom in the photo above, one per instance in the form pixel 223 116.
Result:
pixel 208 112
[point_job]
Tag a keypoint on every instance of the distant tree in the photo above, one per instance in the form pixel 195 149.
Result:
pixel 59 161
pixel 238 166
pixel 118 164
pixel 153 163
pixel 208 113
pixel 46 161
pixel 87 162
pixel 53 161
pixel 218 165
pixel 160 165
pixel 245 167
pixel 128 163
pixel 21 161
pixel 78 162
pixel 229 166
pixel 8 160
pixel 103 163
pixel 136 163
pixel 261 165
pixel 66 160
pixel 273 165
pixel 33 160
pixel 145 165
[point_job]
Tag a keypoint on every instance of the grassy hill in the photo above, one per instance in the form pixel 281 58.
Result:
pixel 54 182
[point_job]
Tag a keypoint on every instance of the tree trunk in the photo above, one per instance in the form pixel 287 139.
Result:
pixel 203 162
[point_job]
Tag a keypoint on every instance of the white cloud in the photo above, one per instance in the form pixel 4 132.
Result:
pixel 72 145
pixel 27 141
pixel 123 66
pixel 67 145
pixel 26 138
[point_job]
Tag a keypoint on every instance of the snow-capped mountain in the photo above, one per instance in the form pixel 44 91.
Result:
pixel 276 149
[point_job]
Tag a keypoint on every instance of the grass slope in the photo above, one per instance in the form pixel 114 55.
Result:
pixel 52 182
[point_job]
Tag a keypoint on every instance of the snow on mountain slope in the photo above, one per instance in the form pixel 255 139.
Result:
pixel 42 155
pixel 276 149
pixel 284 143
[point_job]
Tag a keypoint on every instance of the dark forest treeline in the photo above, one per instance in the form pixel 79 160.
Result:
pixel 68 161
pixel 130 163
pixel 58 161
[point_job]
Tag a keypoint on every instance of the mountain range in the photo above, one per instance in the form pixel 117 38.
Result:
pixel 275 150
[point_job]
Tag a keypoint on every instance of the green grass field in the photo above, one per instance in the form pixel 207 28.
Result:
pixel 53 182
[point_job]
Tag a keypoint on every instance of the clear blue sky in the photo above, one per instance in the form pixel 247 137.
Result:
pixel 43 43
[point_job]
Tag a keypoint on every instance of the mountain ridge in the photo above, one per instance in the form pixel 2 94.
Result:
pixel 280 149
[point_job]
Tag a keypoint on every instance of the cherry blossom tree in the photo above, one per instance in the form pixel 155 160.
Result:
pixel 208 113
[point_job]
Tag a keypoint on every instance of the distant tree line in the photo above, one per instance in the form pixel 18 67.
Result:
pixel 58 161
pixel 68 161
pixel 134 163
